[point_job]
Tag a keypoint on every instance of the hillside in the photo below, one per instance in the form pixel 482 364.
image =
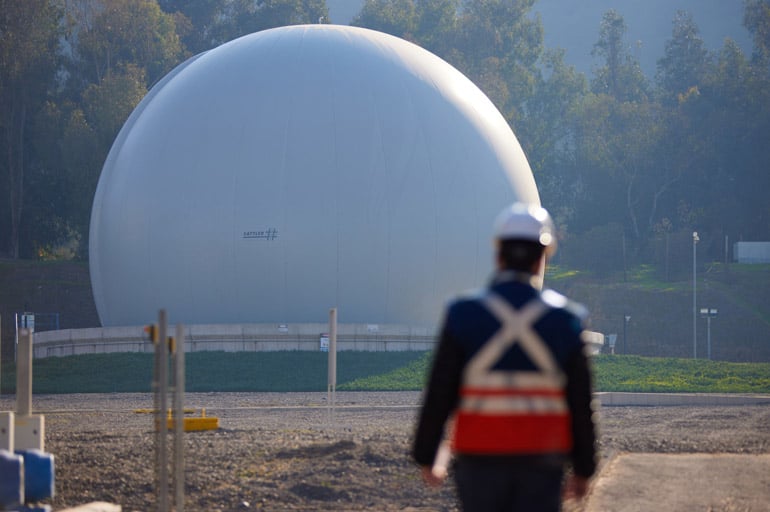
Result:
pixel 46 288
pixel 661 322
pixel 661 313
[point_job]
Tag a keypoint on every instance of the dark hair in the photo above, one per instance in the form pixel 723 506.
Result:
pixel 519 254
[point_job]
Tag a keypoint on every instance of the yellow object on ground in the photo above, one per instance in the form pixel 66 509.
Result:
pixel 153 411
pixel 202 422
pixel 197 424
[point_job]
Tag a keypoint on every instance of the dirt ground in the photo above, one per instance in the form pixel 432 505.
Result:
pixel 288 452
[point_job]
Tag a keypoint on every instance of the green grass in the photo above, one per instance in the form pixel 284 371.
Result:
pixel 558 273
pixel 362 371
pixel 205 371
pixel 649 374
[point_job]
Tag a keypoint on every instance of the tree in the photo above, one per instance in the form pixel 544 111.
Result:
pixel 128 31
pixel 547 138
pixel 544 128
pixel 620 76
pixel 30 34
pixel 88 134
pixel 685 62
pixel 109 103
pixel 756 19
pixel 394 17
pixel 48 228
pixel 241 17
pixel 431 24
pixel 616 153
pixel 437 25
pixel 195 22
pixel 733 118
pixel 499 45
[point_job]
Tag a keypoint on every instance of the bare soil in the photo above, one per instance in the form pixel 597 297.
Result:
pixel 289 452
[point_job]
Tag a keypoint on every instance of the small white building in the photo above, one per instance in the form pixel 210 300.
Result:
pixel 751 252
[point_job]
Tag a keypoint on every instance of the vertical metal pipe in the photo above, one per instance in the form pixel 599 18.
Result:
pixel 179 376
pixel 708 335
pixel 162 356
pixel 15 336
pixel 24 374
pixel 694 300
pixel 625 327
pixel 332 372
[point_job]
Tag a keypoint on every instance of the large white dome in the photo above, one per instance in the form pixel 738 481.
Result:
pixel 297 169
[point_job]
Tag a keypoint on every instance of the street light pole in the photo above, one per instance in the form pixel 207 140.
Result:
pixel 695 240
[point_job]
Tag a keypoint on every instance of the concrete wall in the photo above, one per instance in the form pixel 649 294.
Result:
pixel 248 338
pixel 235 338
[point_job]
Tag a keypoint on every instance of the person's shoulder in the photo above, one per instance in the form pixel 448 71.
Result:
pixel 467 297
pixel 465 301
pixel 557 301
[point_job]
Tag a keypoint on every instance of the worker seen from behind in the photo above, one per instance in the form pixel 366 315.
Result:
pixel 512 377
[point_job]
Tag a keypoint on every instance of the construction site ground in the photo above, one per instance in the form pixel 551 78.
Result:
pixel 294 451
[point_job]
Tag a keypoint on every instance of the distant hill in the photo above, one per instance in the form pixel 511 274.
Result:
pixel 574 26
pixel 661 313
pixel 660 324
pixel 59 291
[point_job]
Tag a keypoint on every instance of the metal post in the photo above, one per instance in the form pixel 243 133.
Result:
pixel 626 318
pixel 15 336
pixel 708 336
pixel 179 377
pixel 694 298
pixel 24 374
pixel 161 354
pixel 708 314
pixel 331 389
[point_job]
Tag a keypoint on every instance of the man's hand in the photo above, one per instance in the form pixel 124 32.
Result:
pixel 432 476
pixel 576 487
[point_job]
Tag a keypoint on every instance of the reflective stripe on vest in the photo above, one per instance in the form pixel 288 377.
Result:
pixel 513 411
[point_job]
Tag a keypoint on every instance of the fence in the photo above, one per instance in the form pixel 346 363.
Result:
pixel 237 338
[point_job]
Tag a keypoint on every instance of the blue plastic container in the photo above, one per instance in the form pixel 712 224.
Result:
pixel 38 475
pixel 11 480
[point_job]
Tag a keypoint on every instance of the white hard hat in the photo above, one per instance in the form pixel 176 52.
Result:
pixel 521 221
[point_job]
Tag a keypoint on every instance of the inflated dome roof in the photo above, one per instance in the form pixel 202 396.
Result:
pixel 297 169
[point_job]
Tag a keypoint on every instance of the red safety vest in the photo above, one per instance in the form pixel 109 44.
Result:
pixel 513 411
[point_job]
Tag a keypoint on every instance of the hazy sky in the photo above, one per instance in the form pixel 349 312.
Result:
pixel 574 25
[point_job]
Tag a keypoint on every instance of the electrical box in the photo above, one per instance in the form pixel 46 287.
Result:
pixel 6 431
pixel 30 432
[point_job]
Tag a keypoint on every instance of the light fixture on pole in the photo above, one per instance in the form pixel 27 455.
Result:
pixel 708 314
pixel 695 240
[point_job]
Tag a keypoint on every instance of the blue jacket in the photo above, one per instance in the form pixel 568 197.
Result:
pixel 469 325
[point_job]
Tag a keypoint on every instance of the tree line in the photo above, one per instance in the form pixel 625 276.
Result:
pixel 629 165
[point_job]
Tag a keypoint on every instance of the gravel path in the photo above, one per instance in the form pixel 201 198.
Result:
pixel 289 451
